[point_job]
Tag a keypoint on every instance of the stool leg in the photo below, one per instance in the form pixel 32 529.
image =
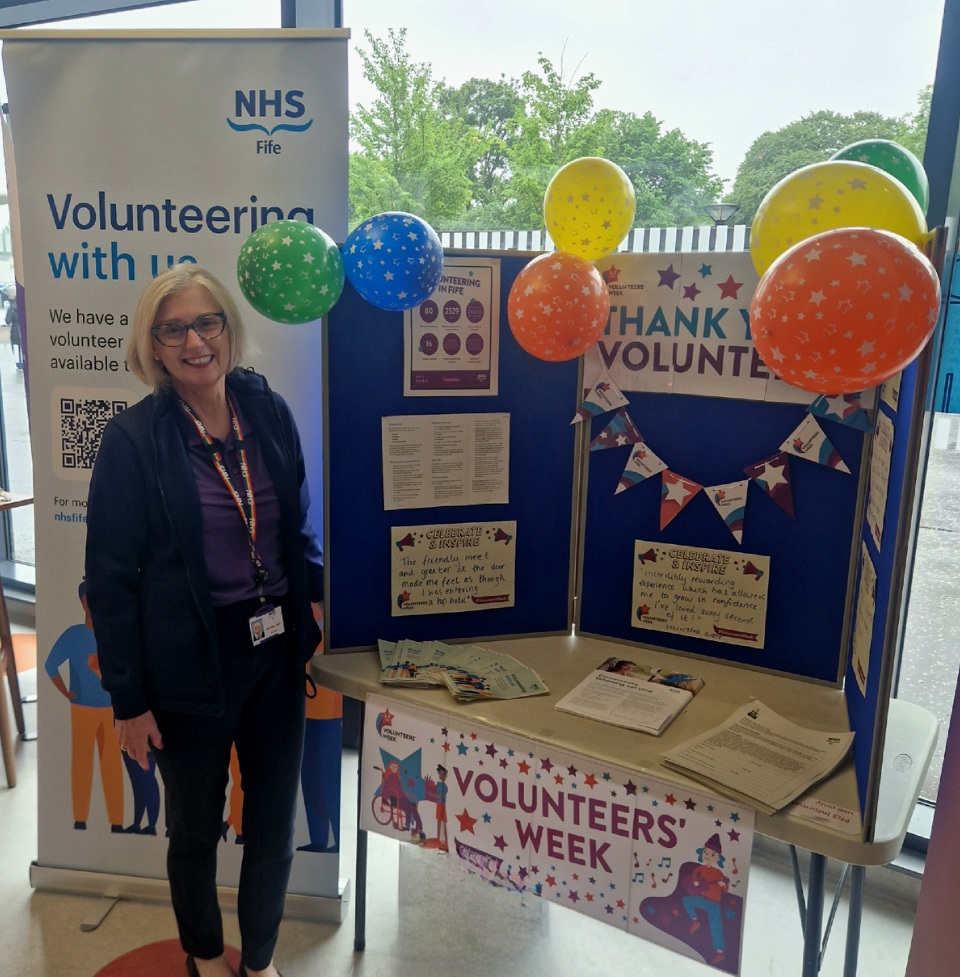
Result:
pixel 6 739
pixel 15 696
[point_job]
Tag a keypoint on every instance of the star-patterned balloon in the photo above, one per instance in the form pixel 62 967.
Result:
pixel 845 310
pixel 894 159
pixel 827 196
pixel 589 206
pixel 290 271
pixel 394 260
pixel 558 306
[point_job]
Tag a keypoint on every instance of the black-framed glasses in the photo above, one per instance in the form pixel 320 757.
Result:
pixel 206 326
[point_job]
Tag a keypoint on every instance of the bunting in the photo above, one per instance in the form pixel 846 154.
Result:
pixel 772 475
pixel 619 432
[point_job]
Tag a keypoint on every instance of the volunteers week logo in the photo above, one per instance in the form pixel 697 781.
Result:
pixel 269 111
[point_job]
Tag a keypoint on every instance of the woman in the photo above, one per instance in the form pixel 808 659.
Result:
pixel 201 565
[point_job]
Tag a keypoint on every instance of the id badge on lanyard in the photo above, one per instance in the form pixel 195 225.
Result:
pixel 265 624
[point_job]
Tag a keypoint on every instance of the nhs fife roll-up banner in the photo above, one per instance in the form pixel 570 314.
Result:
pixel 135 151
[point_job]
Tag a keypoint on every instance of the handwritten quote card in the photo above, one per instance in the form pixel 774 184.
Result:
pixel 444 568
pixel 712 594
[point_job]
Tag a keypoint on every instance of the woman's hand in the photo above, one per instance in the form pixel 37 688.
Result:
pixel 137 736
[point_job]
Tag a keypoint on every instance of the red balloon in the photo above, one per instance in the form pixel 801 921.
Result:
pixel 845 310
pixel 558 306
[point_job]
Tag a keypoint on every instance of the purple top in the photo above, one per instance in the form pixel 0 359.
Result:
pixel 226 542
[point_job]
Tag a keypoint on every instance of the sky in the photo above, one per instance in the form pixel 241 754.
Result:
pixel 721 71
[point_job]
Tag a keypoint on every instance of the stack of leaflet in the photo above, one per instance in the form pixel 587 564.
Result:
pixel 468 671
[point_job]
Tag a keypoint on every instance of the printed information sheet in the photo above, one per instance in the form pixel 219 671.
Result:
pixel 445 459
pixel 759 757
pixel 704 593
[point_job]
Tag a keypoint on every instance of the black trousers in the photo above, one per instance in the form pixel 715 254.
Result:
pixel 264 716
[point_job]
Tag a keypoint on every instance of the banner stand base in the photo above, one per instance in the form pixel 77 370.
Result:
pixel 112 888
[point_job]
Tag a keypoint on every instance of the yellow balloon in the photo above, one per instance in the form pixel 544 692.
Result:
pixel 831 195
pixel 589 206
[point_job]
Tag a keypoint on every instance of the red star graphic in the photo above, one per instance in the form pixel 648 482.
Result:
pixel 729 288
pixel 523 766
pixel 670 799
pixel 551 881
pixel 612 274
pixel 590 780
pixel 466 822
pixel 558 778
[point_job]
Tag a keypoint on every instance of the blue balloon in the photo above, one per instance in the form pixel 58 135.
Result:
pixel 394 260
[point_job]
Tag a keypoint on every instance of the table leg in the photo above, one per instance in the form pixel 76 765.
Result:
pixel 813 919
pixel 360 909
pixel 858 874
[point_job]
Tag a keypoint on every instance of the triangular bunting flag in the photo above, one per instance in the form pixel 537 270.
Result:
pixel 675 492
pixel 730 501
pixel 602 397
pixel 843 408
pixel 810 443
pixel 773 476
pixel 641 465
pixel 620 431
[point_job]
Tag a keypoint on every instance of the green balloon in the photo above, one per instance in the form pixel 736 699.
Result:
pixel 290 271
pixel 894 159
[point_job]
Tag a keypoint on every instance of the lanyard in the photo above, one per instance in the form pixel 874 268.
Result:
pixel 247 512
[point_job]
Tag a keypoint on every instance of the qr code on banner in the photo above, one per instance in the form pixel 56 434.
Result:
pixel 79 417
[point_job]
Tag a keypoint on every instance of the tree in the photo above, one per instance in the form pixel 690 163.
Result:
pixel 812 139
pixel 913 128
pixel 671 174
pixel 427 155
pixel 488 107
pixel 554 127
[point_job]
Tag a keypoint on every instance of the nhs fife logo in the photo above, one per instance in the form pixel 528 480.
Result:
pixel 269 111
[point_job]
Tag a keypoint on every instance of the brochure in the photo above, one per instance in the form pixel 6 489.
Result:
pixel 759 757
pixel 469 672
pixel 631 695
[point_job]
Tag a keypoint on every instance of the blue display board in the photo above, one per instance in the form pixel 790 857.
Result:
pixel 711 440
pixel 555 484
pixel 363 373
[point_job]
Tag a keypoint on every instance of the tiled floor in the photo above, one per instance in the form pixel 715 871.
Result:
pixel 424 920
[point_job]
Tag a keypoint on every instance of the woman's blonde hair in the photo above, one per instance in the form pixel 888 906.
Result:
pixel 140 355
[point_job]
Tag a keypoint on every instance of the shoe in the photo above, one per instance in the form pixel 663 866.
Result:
pixel 718 958
pixel 80 825
pixel 132 829
pixel 192 967
pixel 116 829
pixel 694 926
pixel 243 972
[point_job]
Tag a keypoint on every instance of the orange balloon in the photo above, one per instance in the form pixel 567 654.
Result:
pixel 845 310
pixel 558 306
